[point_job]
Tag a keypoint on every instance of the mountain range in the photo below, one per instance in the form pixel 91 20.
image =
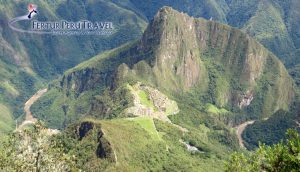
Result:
pixel 22 60
pixel 193 75
pixel 173 85
pixel 221 65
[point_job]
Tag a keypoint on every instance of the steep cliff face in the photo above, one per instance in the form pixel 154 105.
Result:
pixel 83 80
pixel 176 59
pixel 179 55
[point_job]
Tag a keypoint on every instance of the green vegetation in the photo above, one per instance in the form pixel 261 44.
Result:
pixel 33 150
pixel 203 8
pixel 295 73
pixel 143 96
pixel 272 130
pixel 144 151
pixel 172 108
pixel 145 99
pixel 209 75
pixel 268 27
pixel 7 122
pixel 130 19
pixel 55 117
pixel 113 145
pixel 208 102
pixel 215 110
pixel 9 88
pixel 16 86
pixel 279 157
pixel 148 124
pixel 273 23
pixel 28 61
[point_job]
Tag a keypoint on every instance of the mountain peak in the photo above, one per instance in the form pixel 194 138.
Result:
pixel 166 12
pixel 166 9
pixel 188 53
pixel 172 37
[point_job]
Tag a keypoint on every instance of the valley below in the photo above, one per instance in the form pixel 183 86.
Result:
pixel 29 118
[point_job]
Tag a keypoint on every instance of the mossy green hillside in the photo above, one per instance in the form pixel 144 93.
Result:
pixel 215 110
pixel 145 146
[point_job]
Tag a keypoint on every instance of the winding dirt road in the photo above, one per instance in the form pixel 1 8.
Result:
pixel 29 119
pixel 240 129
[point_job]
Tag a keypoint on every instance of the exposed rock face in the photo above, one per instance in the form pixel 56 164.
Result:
pixel 104 149
pixel 246 99
pixel 177 48
pixel 190 147
pixel 84 128
pixel 83 80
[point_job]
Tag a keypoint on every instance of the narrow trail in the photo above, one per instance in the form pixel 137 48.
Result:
pixel 29 119
pixel 240 129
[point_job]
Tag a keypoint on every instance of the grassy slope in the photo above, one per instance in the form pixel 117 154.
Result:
pixel 139 144
pixel 148 125
pixel 138 147
pixel 210 108
pixel 7 122
pixel 145 100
